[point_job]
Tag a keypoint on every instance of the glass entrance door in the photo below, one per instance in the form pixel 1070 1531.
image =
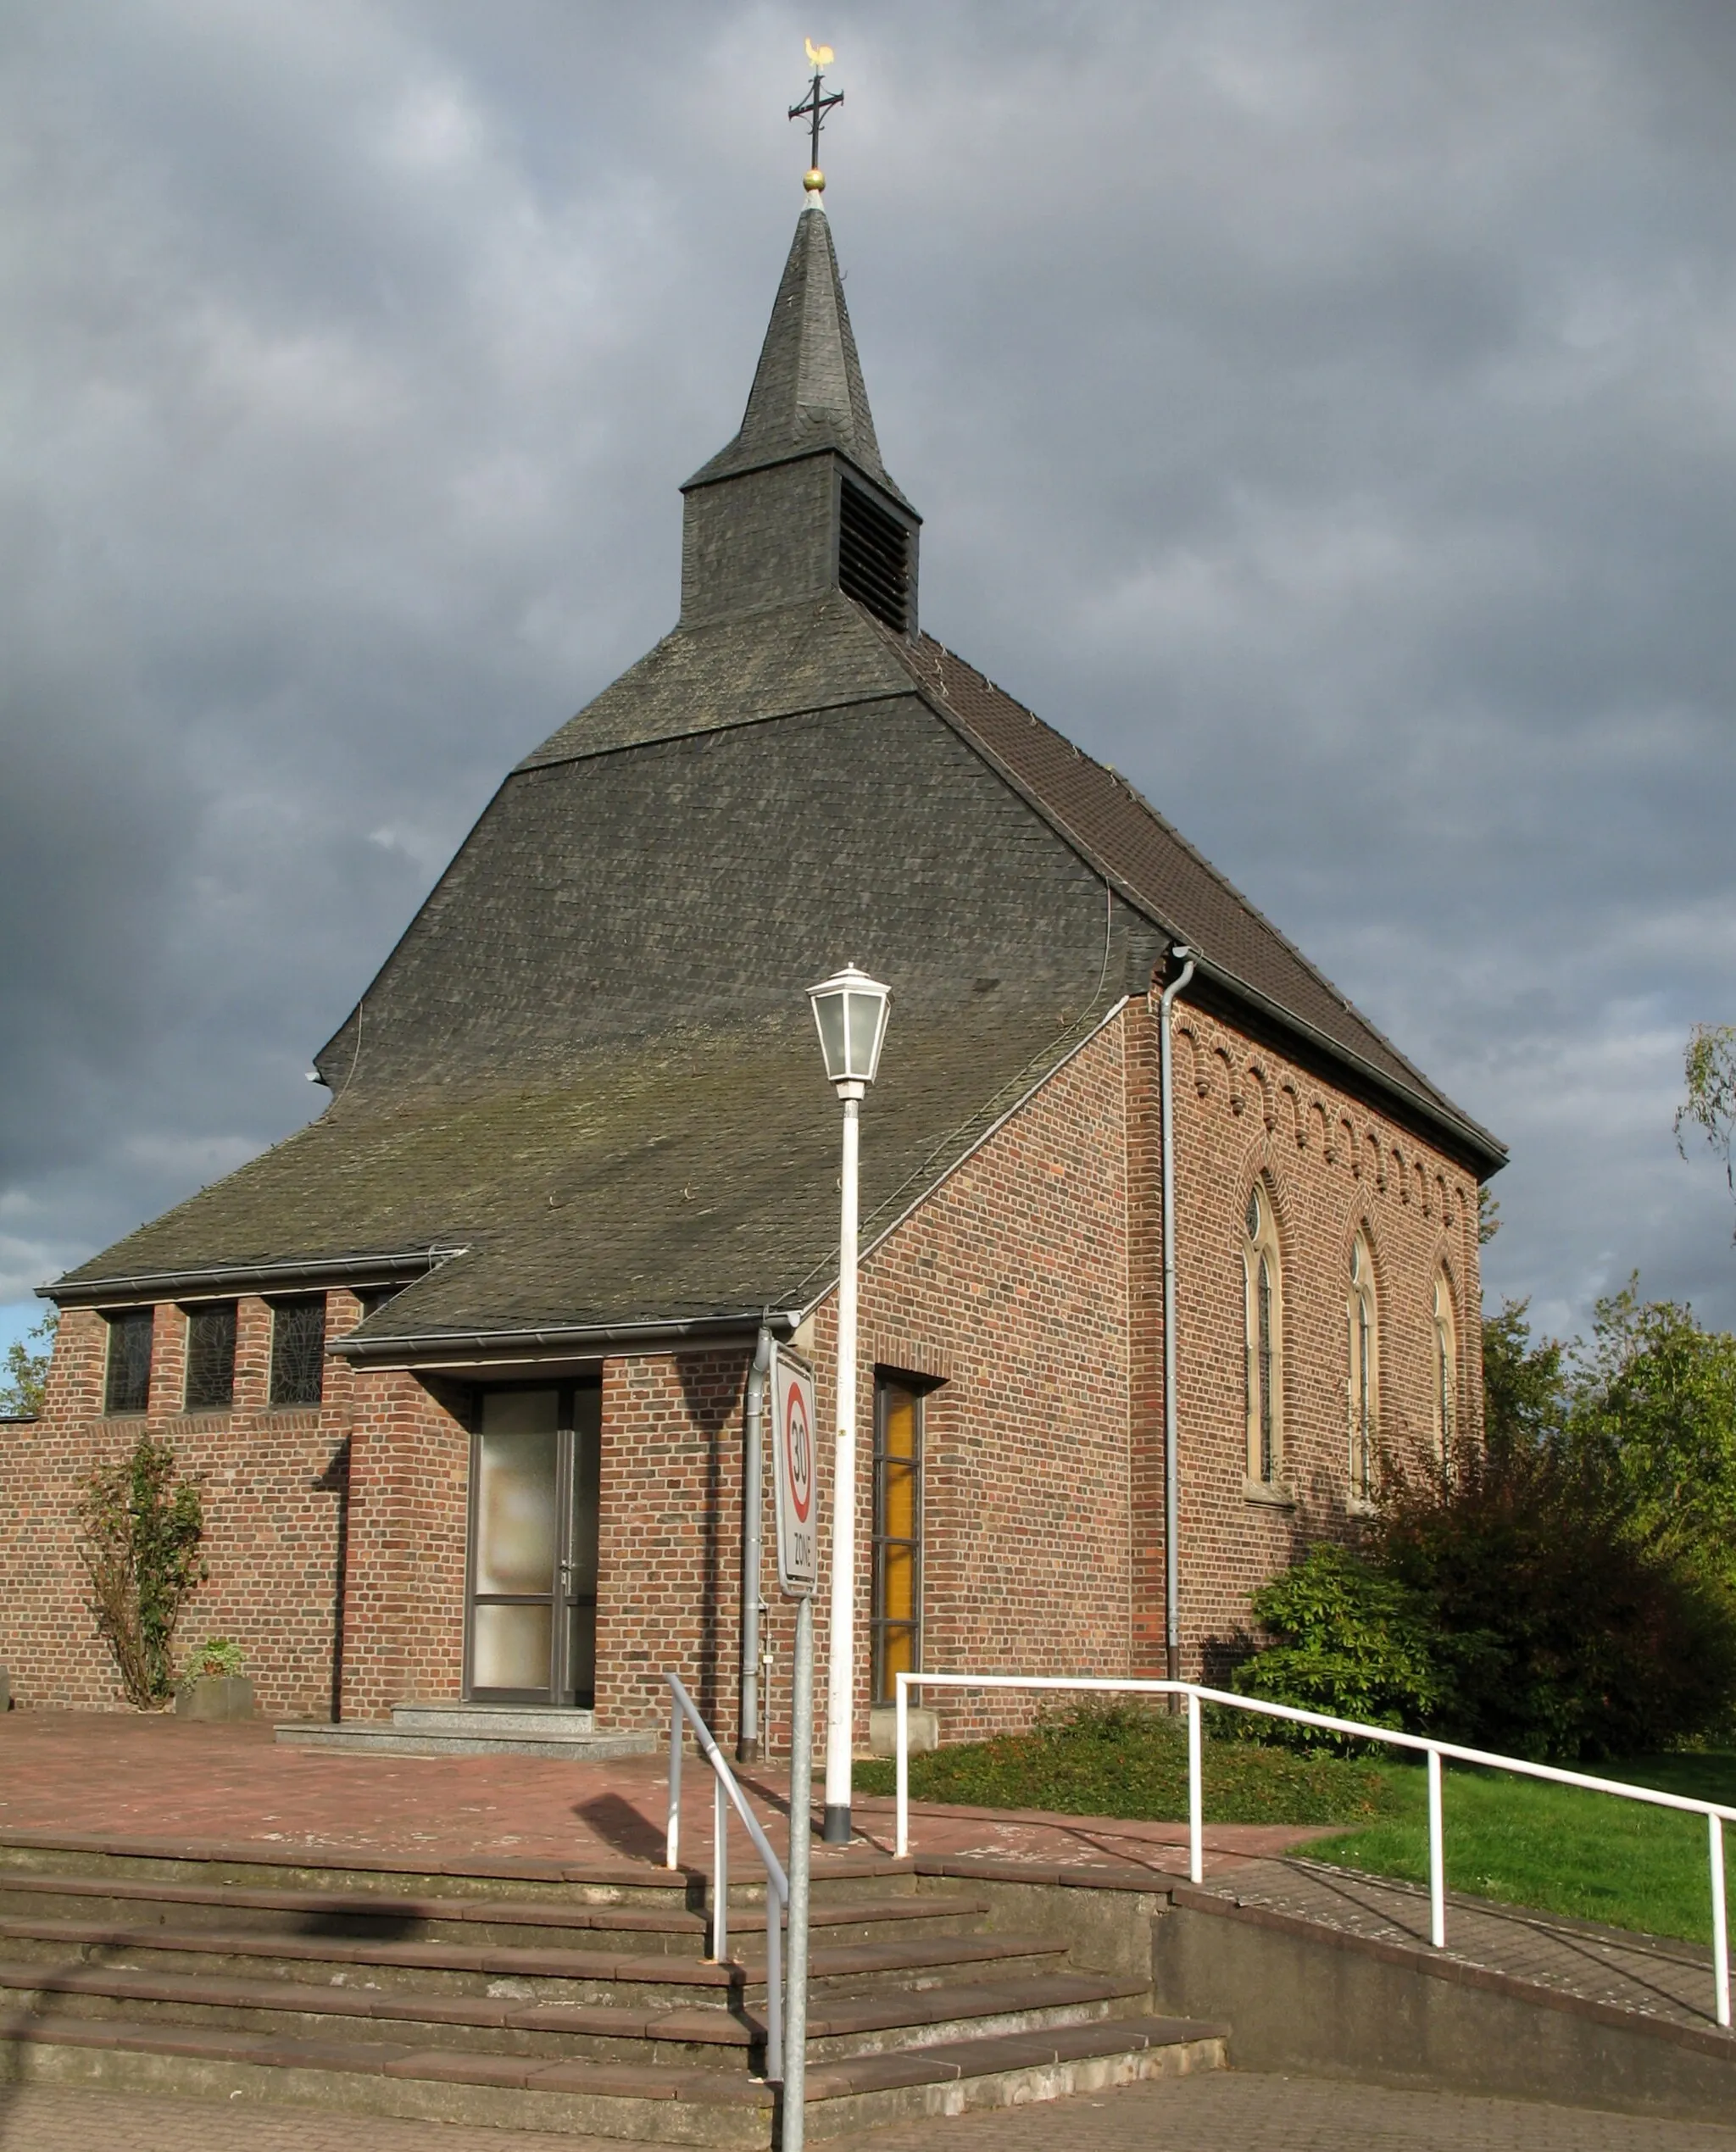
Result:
pixel 534 1460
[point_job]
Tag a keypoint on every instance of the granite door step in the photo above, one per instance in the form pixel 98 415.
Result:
pixel 471 1729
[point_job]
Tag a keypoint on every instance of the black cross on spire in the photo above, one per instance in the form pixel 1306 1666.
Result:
pixel 816 105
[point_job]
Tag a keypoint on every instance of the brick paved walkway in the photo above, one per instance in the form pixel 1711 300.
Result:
pixel 120 1775
pixel 1656 1976
pixel 1222 2112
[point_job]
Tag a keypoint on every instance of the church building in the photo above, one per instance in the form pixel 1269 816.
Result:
pixel 463 1365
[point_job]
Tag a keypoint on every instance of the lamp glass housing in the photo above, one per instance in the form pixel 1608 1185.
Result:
pixel 850 1012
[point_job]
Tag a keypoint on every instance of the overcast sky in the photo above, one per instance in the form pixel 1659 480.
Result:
pixel 1327 414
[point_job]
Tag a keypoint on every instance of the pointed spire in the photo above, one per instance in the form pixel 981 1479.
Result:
pixel 808 392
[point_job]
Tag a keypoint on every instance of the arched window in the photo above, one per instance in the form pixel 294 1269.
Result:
pixel 1265 1329
pixel 1446 1372
pixel 1365 1372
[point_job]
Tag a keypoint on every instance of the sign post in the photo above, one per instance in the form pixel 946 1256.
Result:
pixel 797 1510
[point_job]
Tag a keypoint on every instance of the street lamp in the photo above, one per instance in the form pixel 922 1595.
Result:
pixel 849 1012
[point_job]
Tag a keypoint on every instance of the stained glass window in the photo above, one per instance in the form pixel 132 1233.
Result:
pixel 297 1351
pixel 210 1356
pixel 128 1387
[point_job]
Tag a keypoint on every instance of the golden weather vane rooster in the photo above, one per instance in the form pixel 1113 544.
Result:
pixel 814 108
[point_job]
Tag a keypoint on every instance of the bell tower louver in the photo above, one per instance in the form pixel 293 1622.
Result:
pixel 799 501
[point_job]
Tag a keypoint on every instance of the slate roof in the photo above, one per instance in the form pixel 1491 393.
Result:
pixel 600 1079
pixel 1118 827
pixel 588 1065
pixel 673 1180
pixel 808 394
pixel 828 652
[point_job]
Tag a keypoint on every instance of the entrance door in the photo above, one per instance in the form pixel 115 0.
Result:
pixel 532 1632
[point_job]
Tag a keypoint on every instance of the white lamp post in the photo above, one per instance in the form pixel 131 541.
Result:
pixel 849 1012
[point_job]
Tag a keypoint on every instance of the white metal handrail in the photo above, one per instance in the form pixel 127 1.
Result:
pixel 726 1794
pixel 1436 1751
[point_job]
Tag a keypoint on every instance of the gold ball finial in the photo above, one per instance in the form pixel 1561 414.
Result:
pixel 814 181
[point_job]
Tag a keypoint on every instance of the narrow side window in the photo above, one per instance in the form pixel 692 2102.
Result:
pixel 127 1386
pixel 298 1351
pixel 1263 1321
pixel 1364 1389
pixel 210 1356
pixel 1446 1372
pixel 897 1608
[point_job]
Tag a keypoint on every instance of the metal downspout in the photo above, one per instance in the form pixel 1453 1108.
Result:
pixel 753 1504
pixel 1171 1461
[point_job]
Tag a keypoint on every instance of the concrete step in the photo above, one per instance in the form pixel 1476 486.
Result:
pixel 254 1863
pixel 723 2037
pixel 635 2100
pixel 409 1916
pixel 440 1967
pixel 843 1874
pixel 870 1919
pixel 697 2034
pixel 913 1964
pixel 429 2081
pixel 840 2026
pixel 134 1902
pixel 448 1967
pixel 1006 2069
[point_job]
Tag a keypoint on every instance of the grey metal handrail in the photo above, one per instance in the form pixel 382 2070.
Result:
pixel 726 1794
pixel 1715 1814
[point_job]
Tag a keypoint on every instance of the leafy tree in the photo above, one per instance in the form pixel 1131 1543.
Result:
pixel 1527 1394
pixel 1655 1414
pixel 1709 1072
pixel 26 1380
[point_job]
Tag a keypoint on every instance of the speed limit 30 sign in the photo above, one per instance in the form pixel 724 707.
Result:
pixel 794 1470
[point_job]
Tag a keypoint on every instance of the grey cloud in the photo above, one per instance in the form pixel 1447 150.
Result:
pixel 1322 412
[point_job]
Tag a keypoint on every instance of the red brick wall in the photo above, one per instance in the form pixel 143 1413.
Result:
pixel 272 1485
pixel 669 1549
pixel 1332 1165
pixel 407 1527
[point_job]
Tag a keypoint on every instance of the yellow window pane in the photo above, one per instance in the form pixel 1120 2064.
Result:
pixel 898 1654
pixel 898 1587
pixel 899 1423
pixel 897 1509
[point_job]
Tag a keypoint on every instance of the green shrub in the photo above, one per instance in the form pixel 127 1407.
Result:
pixel 139 1531
pixel 1351 1642
pixel 216 1655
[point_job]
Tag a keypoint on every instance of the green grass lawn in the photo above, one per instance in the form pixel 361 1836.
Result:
pixel 1555 1848
pixel 1134 1763
pixel 1518 1840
